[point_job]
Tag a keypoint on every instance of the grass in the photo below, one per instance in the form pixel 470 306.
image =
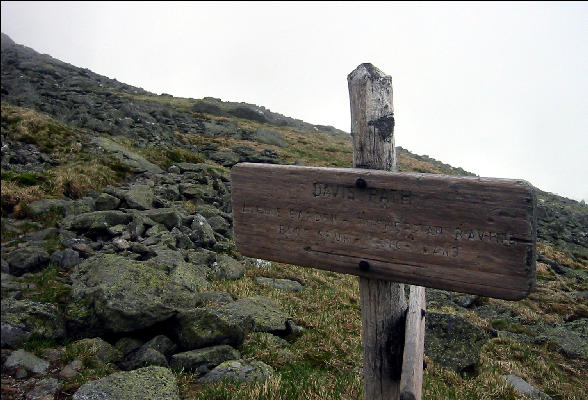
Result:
pixel 325 361
pixel 75 172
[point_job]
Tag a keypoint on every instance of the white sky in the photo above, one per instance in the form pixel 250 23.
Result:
pixel 499 89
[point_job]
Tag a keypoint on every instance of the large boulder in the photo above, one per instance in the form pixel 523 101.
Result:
pixel 453 342
pixel 114 294
pixel 149 383
pixel 24 319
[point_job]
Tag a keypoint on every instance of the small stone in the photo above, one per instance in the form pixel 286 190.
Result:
pixel 121 244
pixel 71 369
pixel 226 267
pixel 522 387
pixel 239 371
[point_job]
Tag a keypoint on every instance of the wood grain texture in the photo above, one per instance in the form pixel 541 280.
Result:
pixel 382 302
pixel 411 382
pixel 467 234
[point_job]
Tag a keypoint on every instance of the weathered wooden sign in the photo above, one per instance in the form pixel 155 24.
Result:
pixel 467 234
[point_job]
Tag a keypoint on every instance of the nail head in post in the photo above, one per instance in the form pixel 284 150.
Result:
pixel 361 183
pixel 364 265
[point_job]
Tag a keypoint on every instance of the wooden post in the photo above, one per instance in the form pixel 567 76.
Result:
pixel 383 304
pixel 411 383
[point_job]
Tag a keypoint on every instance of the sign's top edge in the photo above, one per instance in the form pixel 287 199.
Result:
pixel 417 175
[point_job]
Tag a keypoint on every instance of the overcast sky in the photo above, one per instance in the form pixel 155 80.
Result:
pixel 499 89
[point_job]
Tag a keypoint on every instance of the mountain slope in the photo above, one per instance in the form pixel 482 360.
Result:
pixel 114 198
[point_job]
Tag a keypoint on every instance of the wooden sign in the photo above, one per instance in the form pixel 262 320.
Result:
pixel 466 234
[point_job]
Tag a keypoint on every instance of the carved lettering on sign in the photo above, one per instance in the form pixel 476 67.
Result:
pixel 473 235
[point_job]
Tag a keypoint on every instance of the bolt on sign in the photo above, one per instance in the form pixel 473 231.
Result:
pixel 466 234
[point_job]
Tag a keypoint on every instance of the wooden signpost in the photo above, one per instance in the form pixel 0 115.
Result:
pixel 466 234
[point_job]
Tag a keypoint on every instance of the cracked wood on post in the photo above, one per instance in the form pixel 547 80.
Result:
pixel 382 302
pixel 411 382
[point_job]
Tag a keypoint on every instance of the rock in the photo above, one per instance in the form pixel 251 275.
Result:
pixel 201 257
pixel 53 354
pixel 162 344
pixel 66 259
pixel 22 319
pixel 143 357
pixel 453 342
pixel 267 316
pixel 203 233
pixel 106 202
pixel 81 206
pixel 144 383
pixel 190 276
pixel 127 345
pixel 139 197
pixel 571 338
pixel 227 267
pixel 219 224
pixel 282 284
pixel 121 244
pixel 204 299
pixel 238 371
pixel 71 369
pixel 169 217
pixel 97 221
pixel 21 373
pixel 114 294
pixel 203 327
pixel 201 361
pixel 99 349
pixel 21 358
pixel 26 259
pixel 522 387
pixel 226 158
pixel 174 169
pixel 43 206
pixel 44 389
pixel 136 162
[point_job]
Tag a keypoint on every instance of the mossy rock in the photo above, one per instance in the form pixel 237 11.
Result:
pixel 149 383
pixel 453 342
pixel 238 371
pixel 204 327
pixel 266 314
pixel 24 319
pixel 115 294
pixel 201 361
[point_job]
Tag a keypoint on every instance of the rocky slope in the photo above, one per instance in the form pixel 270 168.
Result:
pixel 120 277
